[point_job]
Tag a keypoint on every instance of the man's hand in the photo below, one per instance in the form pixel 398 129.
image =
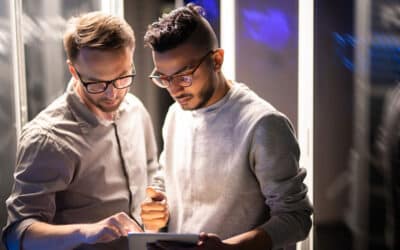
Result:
pixel 155 212
pixel 206 242
pixel 254 239
pixel 40 235
pixel 109 229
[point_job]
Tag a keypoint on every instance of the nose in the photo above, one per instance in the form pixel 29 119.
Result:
pixel 110 91
pixel 174 87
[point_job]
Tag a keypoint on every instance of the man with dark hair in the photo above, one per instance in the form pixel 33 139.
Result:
pixel 84 162
pixel 230 158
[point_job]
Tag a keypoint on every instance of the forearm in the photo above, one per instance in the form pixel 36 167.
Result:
pixel 254 239
pixel 41 235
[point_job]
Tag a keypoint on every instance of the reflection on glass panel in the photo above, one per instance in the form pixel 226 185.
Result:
pixel 212 9
pixel 44 22
pixel 266 51
pixel 7 118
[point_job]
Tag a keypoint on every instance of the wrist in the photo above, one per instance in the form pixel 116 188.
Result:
pixel 79 234
pixel 234 243
pixel 236 246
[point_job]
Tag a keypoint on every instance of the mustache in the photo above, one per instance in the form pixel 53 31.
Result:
pixel 183 96
pixel 109 99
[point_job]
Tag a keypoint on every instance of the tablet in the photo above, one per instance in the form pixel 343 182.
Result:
pixel 138 241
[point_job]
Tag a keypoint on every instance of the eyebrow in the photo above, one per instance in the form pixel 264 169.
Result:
pixel 93 79
pixel 187 67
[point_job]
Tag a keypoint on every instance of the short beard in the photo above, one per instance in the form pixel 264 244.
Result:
pixel 109 109
pixel 103 108
pixel 204 96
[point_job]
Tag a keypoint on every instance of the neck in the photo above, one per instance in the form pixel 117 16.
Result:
pixel 109 116
pixel 223 88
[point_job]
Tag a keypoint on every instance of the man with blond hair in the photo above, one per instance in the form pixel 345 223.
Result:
pixel 83 162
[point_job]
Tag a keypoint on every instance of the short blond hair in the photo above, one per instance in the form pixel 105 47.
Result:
pixel 97 30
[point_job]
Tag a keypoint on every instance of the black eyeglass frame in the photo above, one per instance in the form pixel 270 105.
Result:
pixel 157 79
pixel 107 83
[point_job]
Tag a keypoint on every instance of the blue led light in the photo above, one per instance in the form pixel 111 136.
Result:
pixel 344 49
pixel 270 27
pixel 211 8
pixel 383 52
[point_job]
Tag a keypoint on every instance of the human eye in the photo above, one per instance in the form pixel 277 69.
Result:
pixel 183 79
pixel 186 78
pixel 124 81
pixel 96 86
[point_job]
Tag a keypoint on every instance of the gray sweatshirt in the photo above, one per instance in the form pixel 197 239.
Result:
pixel 233 167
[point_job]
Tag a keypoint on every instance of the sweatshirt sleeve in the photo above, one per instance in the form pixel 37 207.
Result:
pixel 275 160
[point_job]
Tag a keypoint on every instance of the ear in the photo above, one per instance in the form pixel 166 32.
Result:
pixel 218 59
pixel 72 70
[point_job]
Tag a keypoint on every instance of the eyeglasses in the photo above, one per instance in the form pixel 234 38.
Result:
pixel 184 80
pixel 96 87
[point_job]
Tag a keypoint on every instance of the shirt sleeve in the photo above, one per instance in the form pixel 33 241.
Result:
pixel 43 168
pixel 274 155
pixel 154 172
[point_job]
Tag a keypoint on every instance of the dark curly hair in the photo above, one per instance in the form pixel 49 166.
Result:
pixel 183 24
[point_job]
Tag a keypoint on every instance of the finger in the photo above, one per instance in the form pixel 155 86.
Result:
pixel 114 223
pixel 203 238
pixel 134 227
pixel 213 237
pixel 154 194
pixel 149 229
pixel 209 240
pixel 155 224
pixel 128 224
pixel 154 206
pixel 153 215
pixel 108 233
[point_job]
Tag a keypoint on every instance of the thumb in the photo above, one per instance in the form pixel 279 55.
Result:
pixel 154 194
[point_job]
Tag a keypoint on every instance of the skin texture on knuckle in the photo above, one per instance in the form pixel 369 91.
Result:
pixel 106 234
pixel 145 206
pixel 159 223
pixel 121 215
pixel 111 221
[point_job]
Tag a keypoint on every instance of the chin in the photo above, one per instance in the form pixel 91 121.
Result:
pixel 109 109
pixel 199 106
pixel 187 106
